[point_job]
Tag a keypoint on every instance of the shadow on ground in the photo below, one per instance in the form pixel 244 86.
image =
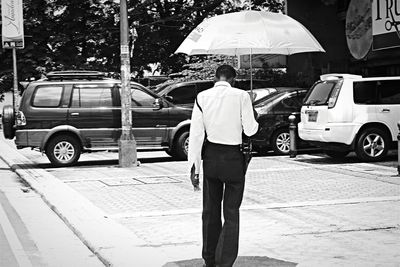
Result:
pixel 245 261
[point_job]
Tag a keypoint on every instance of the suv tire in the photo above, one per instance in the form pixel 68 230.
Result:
pixel 280 141
pixel 8 120
pixel 372 144
pixel 63 150
pixel 336 154
pixel 181 146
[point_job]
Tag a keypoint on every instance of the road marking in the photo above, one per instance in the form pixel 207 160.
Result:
pixel 15 244
pixel 259 207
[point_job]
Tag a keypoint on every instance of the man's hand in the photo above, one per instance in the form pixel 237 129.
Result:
pixel 194 178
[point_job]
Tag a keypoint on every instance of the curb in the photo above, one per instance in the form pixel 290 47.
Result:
pixel 111 242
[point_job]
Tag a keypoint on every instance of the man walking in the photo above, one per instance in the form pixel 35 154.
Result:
pixel 221 114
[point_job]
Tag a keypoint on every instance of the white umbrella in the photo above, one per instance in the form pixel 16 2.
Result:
pixel 255 32
pixel 247 33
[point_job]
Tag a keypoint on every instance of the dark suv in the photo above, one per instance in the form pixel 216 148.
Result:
pixel 184 93
pixel 73 112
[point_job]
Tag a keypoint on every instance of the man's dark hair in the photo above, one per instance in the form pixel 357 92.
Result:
pixel 226 71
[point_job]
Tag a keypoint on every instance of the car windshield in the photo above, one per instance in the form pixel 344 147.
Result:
pixel 161 87
pixel 261 93
pixel 269 98
pixel 319 94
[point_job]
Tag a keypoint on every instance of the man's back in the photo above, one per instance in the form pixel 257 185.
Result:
pixel 223 108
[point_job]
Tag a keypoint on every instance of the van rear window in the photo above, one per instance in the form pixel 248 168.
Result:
pixel 319 94
pixel 47 96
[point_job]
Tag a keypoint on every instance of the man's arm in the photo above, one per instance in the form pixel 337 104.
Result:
pixel 249 123
pixel 196 139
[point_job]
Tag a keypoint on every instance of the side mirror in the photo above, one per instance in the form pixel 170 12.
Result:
pixel 169 98
pixel 158 104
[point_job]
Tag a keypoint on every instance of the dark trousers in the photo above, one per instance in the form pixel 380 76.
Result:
pixel 223 182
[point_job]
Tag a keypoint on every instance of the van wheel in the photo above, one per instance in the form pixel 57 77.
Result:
pixel 372 145
pixel 336 154
pixel 181 146
pixel 63 150
pixel 8 119
pixel 280 142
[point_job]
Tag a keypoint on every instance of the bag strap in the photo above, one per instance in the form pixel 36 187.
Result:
pixel 197 103
pixel 201 110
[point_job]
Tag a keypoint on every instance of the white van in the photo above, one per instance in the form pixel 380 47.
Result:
pixel 344 112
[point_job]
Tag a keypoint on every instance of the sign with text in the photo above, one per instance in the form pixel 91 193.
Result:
pixel 385 24
pixel 12 24
pixel 359 28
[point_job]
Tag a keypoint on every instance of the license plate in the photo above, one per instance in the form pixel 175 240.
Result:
pixel 312 116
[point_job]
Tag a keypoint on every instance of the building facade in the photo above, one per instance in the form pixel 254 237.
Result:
pixel 359 36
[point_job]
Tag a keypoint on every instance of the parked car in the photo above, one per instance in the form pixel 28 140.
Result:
pixel 184 93
pixel 344 113
pixel 273 112
pixel 73 112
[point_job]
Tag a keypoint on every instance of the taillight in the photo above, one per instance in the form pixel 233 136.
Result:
pixel 334 94
pixel 21 120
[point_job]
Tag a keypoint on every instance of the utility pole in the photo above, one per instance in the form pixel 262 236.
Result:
pixel 15 84
pixel 127 144
pixel 12 29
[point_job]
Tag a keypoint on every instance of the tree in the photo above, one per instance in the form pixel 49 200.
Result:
pixel 84 34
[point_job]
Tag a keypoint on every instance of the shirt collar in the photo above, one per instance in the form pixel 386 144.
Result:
pixel 222 83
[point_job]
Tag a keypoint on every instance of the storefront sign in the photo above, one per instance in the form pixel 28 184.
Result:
pixel 359 28
pixel 385 24
pixel 12 24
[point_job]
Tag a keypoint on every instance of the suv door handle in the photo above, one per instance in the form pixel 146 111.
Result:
pixel 385 110
pixel 75 114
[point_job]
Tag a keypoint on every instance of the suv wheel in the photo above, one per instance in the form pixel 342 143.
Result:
pixel 8 122
pixel 182 146
pixel 372 144
pixel 280 142
pixel 336 154
pixel 63 150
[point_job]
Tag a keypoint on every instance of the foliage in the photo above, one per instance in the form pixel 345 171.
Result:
pixel 84 34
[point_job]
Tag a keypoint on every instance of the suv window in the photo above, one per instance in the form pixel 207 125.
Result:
pixel 183 95
pixel 389 91
pixel 47 96
pixel 364 92
pixel 291 103
pixel 89 97
pixel 204 86
pixel 319 94
pixel 141 98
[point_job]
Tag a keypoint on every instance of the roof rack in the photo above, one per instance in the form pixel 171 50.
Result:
pixel 76 75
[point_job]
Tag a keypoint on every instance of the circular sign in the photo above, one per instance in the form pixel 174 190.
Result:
pixel 359 28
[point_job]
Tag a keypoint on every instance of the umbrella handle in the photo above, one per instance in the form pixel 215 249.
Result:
pixel 251 74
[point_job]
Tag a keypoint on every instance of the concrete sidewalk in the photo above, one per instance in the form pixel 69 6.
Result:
pixel 307 211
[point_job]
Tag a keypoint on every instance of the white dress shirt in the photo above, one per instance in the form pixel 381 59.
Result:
pixel 227 113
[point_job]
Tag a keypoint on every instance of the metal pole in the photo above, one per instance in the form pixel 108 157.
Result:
pixel 292 132
pixel 15 87
pixel 251 73
pixel 398 149
pixel 127 143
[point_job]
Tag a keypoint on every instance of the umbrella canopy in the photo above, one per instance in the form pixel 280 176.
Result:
pixel 249 32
